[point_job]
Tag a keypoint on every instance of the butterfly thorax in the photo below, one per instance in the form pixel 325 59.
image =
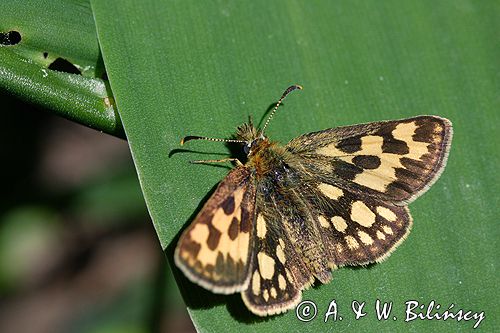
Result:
pixel 268 158
pixel 264 156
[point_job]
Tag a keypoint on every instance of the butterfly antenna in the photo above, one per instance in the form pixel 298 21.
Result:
pixel 193 137
pixel 287 91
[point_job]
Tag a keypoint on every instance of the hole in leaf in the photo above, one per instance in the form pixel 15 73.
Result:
pixel 10 38
pixel 45 54
pixel 63 65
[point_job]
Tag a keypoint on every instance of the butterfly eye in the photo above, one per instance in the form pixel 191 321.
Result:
pixel 246 148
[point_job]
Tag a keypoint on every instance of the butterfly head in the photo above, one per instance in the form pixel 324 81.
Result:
pixel 253 137
pixel 247 134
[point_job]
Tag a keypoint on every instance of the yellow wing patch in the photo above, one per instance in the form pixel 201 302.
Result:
pixel 221 241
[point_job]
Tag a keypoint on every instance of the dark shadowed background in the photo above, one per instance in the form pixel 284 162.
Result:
pixel 78 252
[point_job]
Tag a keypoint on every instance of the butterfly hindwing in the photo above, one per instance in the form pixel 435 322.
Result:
pixel 302 232
pixel 288 252
pixel 392 160
pixel 272 288
pixel 215 250
pixel 357 229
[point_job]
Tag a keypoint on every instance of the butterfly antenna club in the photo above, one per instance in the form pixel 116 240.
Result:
pixel 287 91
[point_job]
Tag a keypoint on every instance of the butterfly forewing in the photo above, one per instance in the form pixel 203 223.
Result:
pixel 392 160
pixel 215 250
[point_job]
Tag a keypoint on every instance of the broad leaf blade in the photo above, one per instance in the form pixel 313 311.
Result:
pixel 185 67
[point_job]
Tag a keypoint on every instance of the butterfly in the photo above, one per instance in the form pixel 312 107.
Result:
pixel 293 213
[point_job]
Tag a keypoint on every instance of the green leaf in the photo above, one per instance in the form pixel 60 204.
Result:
pixel 36 36
pixel 186 67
